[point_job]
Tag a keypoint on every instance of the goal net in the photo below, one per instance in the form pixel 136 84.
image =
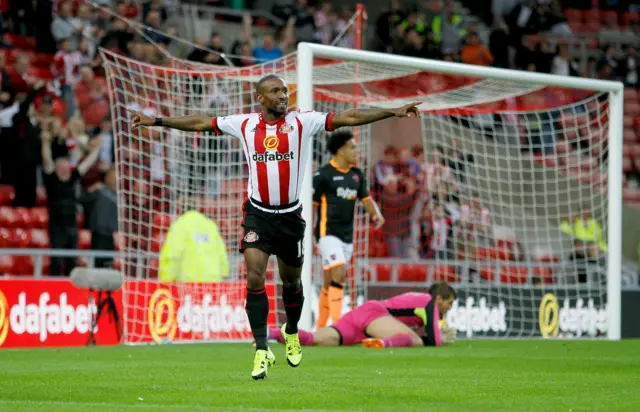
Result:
pixel 481 192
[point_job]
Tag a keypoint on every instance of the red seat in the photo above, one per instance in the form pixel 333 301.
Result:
pixel 544 274
pixel 39 239
pixel 8 217
pixel 23 265
pixel 591 27
pixel 6 264
pixel 5 237
pixel 23 217
pixel 39 217
pixel 157 241
pixel 161 222
pixel 445 273
pixel 576 26
pixel 383 272
pixel 84 239
pixel 514 274
pixel 487 273
pixel 629 16
pixel 21 42
pixel 154 266
pixel 412 273
pixel 591 15
pixel 20 238
pixel 573 14
pixel 7 195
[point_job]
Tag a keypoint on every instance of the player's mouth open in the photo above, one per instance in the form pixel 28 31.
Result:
pixel 282 104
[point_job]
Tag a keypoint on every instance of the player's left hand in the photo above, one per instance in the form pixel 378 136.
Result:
pixel 448 335
pixel 378 220
pixel 408 110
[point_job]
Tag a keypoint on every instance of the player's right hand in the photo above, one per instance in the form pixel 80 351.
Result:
pixel 140 120
pixel 378 220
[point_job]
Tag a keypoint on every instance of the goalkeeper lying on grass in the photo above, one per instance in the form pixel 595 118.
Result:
pixel 388 323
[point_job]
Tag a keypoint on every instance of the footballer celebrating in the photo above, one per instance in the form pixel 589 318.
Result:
pixel 337 186
pixel 409 319
pixel 275 142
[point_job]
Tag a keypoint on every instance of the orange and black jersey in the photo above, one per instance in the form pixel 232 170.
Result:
pixel 335 192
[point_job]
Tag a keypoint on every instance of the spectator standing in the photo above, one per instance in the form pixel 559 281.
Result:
pixel 448 30
pixel 66 66
pixel 387 23
pixel 629 68
pixel 100 205
pixel 65 26
pixel 474 52
pixel 24 145
pixel 61 183
pixel 268 51
pixel 397 202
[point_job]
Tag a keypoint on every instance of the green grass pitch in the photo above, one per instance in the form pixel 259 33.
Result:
pixel 467 376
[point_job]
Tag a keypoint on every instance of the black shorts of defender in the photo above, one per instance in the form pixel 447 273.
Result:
pixel 279 234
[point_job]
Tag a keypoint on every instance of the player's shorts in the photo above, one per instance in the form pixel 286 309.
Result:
pixel 280 234
pixel 352 326
pixel 334 252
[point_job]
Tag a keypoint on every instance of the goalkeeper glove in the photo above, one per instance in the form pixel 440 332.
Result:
pixel 448 335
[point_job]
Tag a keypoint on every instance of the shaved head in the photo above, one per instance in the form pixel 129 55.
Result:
pixel 273 95
pixel 267 79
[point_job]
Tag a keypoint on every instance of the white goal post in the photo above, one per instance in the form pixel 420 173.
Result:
pixel 307 53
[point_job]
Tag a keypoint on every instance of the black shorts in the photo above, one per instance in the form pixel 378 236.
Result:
pixel 280 234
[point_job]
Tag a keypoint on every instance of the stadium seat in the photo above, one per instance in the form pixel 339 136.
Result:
pixel 591 15
pixel 8 217
pixel 6 264
pixel 632 108
pixel 5 237
pixel 573 14
pixel 154 266
pixel 23 217
pixel 23 265
pixel 628 17
pixel 487 273
pixel 543 274
pixel 161 222
pixel 20 238
pixel 157 241
pixel 39 218
pixel 627 164
pixel 630 94
pixel 39 239
pixel 6 195
pixel 84 239
pixel 412 273
pixel 21 42
pixel 591 27
pixel 629 136
pixel 445 273
pixel 383 272
pixel 514 274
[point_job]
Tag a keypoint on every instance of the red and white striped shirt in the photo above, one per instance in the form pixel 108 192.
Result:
pixel 66 66
pixel 276 152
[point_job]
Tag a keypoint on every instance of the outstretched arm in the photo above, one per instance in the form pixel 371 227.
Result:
pixel 186 123
pixel 358 117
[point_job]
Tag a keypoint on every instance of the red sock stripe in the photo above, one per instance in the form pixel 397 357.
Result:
pixel 256 291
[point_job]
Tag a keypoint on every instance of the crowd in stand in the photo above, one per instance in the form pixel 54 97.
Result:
pixel 58 133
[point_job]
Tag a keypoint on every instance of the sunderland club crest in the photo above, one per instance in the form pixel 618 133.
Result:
pixel 251 237
pixel 356 178
pixel 285 129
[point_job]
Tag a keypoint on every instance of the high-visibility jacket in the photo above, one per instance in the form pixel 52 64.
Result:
pixel 194 251
pixel 436 26
pixel 587 231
